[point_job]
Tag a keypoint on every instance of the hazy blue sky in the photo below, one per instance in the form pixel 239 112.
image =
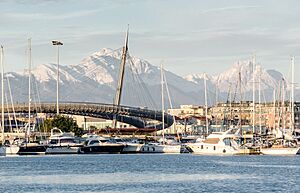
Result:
pixel 190 36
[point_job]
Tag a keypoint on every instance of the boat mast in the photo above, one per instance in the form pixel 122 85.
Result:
pixel 2 93
pixel 283 106
pixel 29 87
pixel 293 94
pixel 121 78
pixel 259 99
pixel 170 103
pixel 230 104
pixel 205 96
pixel 274 106
pixel 253 93
pixel 240 85
pixel 162 102
pixel 279 104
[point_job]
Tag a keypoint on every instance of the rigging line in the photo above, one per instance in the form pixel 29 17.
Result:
pixel 134 76
pixel 38 95
pixel 8 113
pixel 82 78
pixel 170 102
pixel 12 103
pixel 143 85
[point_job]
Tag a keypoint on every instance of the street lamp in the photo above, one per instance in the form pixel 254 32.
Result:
pixel 57 43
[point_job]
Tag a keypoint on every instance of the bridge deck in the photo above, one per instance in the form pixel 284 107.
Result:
pixel 138 117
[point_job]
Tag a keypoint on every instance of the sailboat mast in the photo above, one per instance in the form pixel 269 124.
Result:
pixel 240 85
pixel 259 99
pixel 253 93
pixel 121 78
pixel 274 110
pixel 2 93
pixel 170 103
pixel 217 92
pixel 29 85
pixel 279 104
pixel 293 94
pixel 205 96
pixel 162 102
pixel 283 106
pixel 230 104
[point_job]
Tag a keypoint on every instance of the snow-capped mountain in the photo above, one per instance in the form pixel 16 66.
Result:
pixel 228 81
pixel 94 79
pixel 245 68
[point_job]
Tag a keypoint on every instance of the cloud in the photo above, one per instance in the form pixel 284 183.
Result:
pixel 46 16
pixel 220 9
pixel 30 1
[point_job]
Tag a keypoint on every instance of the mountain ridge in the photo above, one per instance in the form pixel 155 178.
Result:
pixel 94 79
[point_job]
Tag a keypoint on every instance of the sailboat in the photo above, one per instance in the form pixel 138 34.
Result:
pixel 6 148
pixel 162 147
pixel 27 147
pixel 282 146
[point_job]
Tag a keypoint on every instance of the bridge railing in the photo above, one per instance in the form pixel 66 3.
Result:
pixel 97 110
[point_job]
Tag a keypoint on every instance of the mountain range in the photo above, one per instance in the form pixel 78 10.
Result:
pixel 94 79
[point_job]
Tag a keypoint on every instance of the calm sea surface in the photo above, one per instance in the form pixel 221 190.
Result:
pixel 150 173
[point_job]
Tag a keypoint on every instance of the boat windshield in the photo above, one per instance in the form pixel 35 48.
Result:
pixel 227 141
pixel 67 141
pixel 94 142
pixel 53 141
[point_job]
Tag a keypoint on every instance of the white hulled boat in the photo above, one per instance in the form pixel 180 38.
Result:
pixel 62 143
pixel 130 146
pixel 280 150
pixel 160 148
pixel 6 150
pixel 280 147
pixel 217 143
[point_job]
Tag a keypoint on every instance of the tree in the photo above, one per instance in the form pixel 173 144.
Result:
pixel 64 123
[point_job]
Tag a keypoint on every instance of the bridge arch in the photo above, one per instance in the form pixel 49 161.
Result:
pixel 138 117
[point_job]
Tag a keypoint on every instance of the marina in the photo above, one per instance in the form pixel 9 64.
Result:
pixel 149 96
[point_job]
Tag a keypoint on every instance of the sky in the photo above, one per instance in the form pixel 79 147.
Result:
pixel 192 36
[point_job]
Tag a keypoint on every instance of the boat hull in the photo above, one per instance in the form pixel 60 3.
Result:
pixel 32 150
pixel 102 149
pixel 159 148
pixel 280 151
pixel 212 149
pixel 132 148
pixel 62 149
pixel 9 150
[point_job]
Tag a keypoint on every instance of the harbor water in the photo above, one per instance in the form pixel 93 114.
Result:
pixel 149 173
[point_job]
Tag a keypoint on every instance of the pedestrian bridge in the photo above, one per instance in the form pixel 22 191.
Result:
pixel 138 117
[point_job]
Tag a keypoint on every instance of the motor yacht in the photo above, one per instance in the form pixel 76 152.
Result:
pixel 217 143
pixel 95 144
pixel 62 143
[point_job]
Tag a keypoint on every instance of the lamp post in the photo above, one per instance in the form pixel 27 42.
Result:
pixel 57 44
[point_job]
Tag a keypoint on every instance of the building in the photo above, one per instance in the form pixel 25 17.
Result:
pixel 270 115
pixel 88 123
pixel 188 111
pixel 267 115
